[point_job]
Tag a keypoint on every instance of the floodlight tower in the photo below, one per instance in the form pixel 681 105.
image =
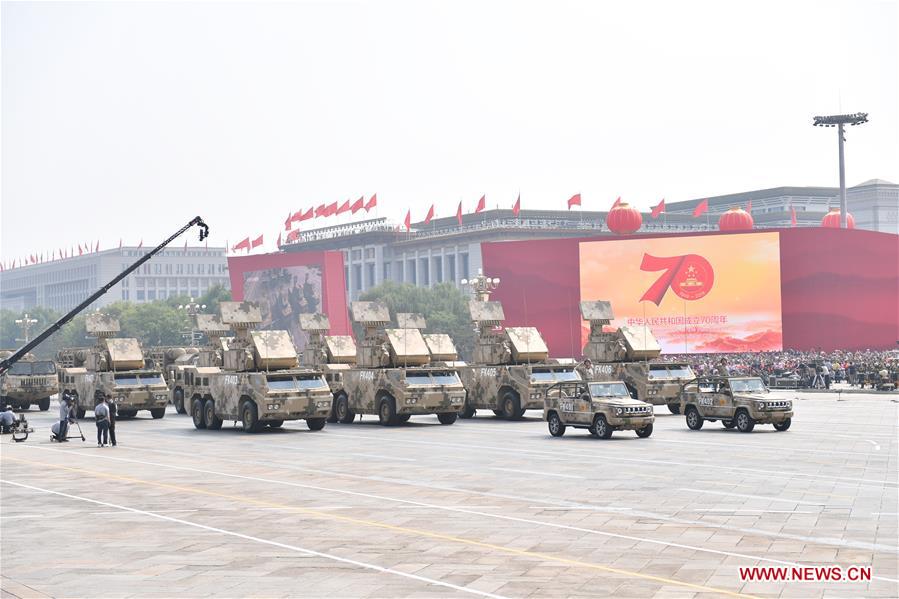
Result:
pixel 839 120
pixel 481 285
pixel 192 308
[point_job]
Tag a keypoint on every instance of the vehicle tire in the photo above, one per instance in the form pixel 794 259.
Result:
pixel 782 426
pixel 467 411
pixel 728 424
pixel 404 417
pixel 511 406
pixel 249 417
pixel 674 408
pixel 521 412
pixel 645 431
pixel 447 418
pixel 315 424
pixel 498 413
pixel 601 428
pixel 44 404
pixel 157 413
pixel 556 428
pixel 197 413
pixel 332 415
pixel 275 423
pixel 79 413
pixel 387 411
pixel 342 409
pixel 744 421
pixel 213 422
pixel 178 401
pixel 694 419
pixel 127 413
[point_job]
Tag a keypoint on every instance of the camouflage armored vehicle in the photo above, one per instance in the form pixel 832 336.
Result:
pixel 601 407
pixel 333 354
pixel 393 376
pixel 260 381
pixel 202 357
pixel 627 354
pixel 114 368
pixel 28 382
pixel 510 370
pixel 737 401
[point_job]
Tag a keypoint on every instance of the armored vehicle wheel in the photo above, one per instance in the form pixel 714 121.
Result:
pixel 745 423
pixel 128 413
pixel 728 424
pixel 467 411
pixel 79 413
pixel 521 412
pixel 44 404
pixel 556 428
pixel 157 413
pixel 447 418
pixel 782 426
pixel 213 422
pixel 694 420
pixel 600 428
pixel 387 411
pixel 315 424
pixel 178 401
pixel 197 413
pixel 249 417
pixel 674 408
pixel 342 409
pixel 511 406
pixel 332 415
pixel 275 423
pixel 645 431
pixel 497 412
pixel 404 417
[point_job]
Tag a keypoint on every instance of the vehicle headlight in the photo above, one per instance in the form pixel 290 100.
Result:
pixel 457 400
pixel 161 397
pixel 619 411
pixel 274 406
pixel 120 398
pixel 323 404
pixel 760 405
pixel 411 401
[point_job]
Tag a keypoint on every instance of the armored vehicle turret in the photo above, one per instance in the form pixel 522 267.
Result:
pixel 393 376
pixel 180 377
pixel 114 368
pixel 28 382
pixel 628 355
pixel 511 368
pixel 260 381
pixel 333 354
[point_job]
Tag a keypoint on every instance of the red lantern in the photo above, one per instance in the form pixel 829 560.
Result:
pixel 735 219
pixel 832 219
pixel 624 219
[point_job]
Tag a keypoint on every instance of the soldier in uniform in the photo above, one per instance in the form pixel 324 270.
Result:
pixel 586 370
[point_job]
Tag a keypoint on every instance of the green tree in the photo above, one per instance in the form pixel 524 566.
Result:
pixel 444 307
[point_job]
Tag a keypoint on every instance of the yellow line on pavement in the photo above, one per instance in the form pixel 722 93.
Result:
pixel 375 524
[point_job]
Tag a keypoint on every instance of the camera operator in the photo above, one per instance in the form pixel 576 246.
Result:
pixel 7 417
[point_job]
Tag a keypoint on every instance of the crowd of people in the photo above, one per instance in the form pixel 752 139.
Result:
pixel 814 368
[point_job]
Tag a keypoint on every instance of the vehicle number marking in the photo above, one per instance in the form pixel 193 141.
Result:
pixel 603 368
pixel 567 406
pixel 706 401
pixel 367 375
pixel 230 379
pixel 487 372
pixel 88 378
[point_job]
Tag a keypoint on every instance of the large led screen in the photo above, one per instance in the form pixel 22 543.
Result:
pixel 717 293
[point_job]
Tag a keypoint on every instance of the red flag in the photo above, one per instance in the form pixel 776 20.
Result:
pixel 306 215
pixel 658 209
pixel 574 200
pixel 293 235
pixel 459 214
pixel 358 205
pixel 430 215
pixel 330 209
pixel 371 202
pixel 256 242
pixel 792 216
pixel 517 207
pixel 408 221
pixel 279 239
pixel 288 222
pixel 749 206
pixel 345 207
pixel 243 245
pixel 701 208
pixel 617 203
pixel 482 203
pixel 320 210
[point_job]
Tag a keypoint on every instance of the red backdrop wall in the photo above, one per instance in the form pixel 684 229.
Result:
pixel 839 288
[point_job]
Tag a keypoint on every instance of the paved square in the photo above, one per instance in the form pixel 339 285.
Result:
pixel 482 507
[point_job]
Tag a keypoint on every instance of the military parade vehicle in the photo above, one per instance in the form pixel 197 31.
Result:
pixel 601 407
pixel 260 382
pixel 185 374
pixel 510 369
pixel 28 382
pixel 627 354
pixel 737 401
pixel 113 368
pixel 393 376
pixel 333 354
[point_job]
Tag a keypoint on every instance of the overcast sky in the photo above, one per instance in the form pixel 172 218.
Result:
pixel 125 120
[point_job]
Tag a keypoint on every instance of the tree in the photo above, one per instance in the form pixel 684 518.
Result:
pixel 444 307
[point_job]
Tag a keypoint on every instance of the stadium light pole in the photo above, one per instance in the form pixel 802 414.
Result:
pixel 839 121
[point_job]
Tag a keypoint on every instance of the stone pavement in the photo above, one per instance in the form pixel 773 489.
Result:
pixel 482 507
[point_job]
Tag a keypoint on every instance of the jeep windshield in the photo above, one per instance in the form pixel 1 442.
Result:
pixel 611 389
pixel 748 386
pixel 554 376
pixel 671 371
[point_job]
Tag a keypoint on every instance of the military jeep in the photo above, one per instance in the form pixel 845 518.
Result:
pixel 601 407
pixel 736 401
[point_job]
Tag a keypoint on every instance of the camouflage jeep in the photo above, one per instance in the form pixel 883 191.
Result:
pixel 601 407
pixel 740 402
pixel 28 382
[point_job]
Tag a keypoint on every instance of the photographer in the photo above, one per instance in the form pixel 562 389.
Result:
pixel 65 416
pixel 7 417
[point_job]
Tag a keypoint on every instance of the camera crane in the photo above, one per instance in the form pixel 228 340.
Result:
pixel 18 355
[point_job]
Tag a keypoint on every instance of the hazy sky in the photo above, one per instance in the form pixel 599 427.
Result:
pixel 125 120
